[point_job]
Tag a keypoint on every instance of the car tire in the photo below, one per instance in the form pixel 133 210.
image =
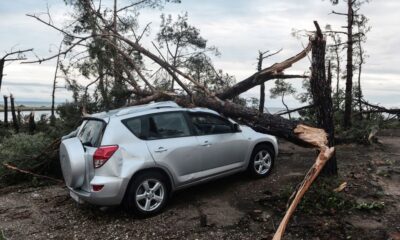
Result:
pixel 261 161
pixel 147 194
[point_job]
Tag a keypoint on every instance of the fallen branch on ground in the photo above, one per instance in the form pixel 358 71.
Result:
pixel 31 173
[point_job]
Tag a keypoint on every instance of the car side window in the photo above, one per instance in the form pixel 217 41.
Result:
pixel 167 125
pixel 206 124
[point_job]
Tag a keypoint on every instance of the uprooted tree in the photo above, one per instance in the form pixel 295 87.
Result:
pixel 100 35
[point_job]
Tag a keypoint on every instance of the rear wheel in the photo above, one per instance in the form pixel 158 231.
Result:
pixel 147 195
pixel 262 161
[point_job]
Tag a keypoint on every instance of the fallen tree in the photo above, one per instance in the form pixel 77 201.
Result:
pixel 195 94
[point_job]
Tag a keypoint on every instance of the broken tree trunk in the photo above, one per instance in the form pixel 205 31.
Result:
pixel 324 155
pixel 31 123
pixel 321 90
pixel 5 110
pixel 14 115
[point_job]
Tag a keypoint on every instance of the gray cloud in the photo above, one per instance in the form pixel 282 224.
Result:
pixel 239 29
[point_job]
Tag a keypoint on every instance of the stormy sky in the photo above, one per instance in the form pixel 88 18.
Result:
pixel 238 28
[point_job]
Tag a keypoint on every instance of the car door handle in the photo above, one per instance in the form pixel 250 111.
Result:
pixel 206 144
pixel 160 149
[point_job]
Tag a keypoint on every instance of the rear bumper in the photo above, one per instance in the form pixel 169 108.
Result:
pixel 111 194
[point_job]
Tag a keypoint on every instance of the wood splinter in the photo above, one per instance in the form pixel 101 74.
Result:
pixel 318 138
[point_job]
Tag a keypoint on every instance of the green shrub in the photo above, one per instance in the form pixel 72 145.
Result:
pixel 21 151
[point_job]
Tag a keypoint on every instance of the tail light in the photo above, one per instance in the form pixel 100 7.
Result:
pixel 102 154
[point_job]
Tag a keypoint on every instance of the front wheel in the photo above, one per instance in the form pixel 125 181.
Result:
pixel 147 195
pixel 261 161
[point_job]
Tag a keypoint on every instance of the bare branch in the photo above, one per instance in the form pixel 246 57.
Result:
pixel 131 5
pixel 15 52
pixel 295 110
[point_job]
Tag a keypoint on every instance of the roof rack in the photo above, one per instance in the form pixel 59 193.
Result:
pixel 152 105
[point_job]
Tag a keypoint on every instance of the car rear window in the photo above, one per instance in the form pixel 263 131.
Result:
pixel 136 126
pixel 92 133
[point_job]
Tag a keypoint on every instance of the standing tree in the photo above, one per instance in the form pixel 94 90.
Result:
pixel 260 59
pixel 363 28
pixel 353 6
pixel 281 89
pixel 334 56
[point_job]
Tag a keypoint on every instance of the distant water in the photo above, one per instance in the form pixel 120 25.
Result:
pixel 33 104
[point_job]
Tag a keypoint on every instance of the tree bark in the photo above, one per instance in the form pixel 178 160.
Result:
pixel 322 99
pixel 359 77
pixel 5 111
pixel 262 85
pixel 31 123
pixel 53 94
pixel 1 70
pixel 14 115
pixel 349 67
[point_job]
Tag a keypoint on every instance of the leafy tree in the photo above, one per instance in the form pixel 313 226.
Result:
pixel 281 89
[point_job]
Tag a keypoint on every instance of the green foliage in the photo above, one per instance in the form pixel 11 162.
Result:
pixel 2 235
pixel 321 199
pixel 364 206
pixel 20 150
pixel 282 88
pixel 179 34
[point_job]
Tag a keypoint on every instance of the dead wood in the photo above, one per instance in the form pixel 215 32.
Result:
pixel 9 166
pixel 319 138
pixel 379 109
pixel 13 114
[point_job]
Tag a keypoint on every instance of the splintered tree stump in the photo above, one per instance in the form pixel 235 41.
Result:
pixel 14 115
pixel 318 138
pixel 5 110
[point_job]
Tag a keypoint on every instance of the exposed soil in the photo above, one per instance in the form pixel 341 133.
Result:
pixel 236 207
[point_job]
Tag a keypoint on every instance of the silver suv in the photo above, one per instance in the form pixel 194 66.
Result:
pixel 139 155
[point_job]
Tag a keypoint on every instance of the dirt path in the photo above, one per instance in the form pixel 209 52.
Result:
pixel 232 208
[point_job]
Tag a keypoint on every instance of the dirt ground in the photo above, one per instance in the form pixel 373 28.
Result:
pixel 236 207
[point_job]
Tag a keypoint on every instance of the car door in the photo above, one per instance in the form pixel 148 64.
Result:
pixel 222 149
pixel 173 145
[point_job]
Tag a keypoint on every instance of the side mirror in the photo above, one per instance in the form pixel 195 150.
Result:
pixel 236 128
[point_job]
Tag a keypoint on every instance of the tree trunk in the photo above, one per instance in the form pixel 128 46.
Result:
pixel 337 76
pixel 32 124
pixel 5 111
pixel 349 67
pixel 321 91
pixel 262 85
pixel 1 70
pixel 14 115
pixel 287 108
pixel 359 77
pixel 53 94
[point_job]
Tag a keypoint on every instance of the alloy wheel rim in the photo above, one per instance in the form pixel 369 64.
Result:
pixel 262 162
pixel 150 195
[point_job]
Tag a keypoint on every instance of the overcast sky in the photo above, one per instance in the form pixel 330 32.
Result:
pixel 239 28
